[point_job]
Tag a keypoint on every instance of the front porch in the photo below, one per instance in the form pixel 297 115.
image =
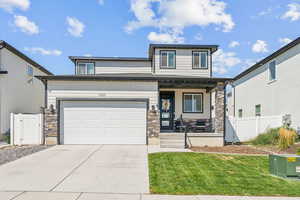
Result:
pixel 191 112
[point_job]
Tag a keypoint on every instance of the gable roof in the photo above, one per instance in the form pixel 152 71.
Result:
pixel 4 44
pixel 269 58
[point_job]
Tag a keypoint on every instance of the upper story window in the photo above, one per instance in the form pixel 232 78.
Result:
pixel 258 110
pixel 167 59
pixel 272 71
pixel 200 59
pixel 30 71
pixel 240 113
pixel 85 68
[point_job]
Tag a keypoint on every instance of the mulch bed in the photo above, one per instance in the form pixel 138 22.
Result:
pixel 238 149
pixel 274 149
pixel 247 149
pixel 11 153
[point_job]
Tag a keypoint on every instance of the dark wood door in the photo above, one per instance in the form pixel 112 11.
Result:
pixel 167 110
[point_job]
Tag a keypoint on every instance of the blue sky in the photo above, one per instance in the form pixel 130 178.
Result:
pixel 245 30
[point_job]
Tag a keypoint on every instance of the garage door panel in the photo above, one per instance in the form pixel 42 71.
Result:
pixel 91 122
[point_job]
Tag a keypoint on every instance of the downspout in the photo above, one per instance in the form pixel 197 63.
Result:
pixel 44 108
pixel 224 121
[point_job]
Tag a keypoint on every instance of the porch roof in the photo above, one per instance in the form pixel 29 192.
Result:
pixel 164 80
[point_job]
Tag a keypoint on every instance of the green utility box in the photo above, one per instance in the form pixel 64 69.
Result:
pixel 285 165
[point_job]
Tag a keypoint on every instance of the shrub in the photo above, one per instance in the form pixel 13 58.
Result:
pixel 270 137
pixel 287 137
pixel 6 138
pixel 298 152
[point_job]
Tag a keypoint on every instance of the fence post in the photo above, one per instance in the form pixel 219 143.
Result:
pixel 12 129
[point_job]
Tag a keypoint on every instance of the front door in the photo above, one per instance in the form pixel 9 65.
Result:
pixel 166 110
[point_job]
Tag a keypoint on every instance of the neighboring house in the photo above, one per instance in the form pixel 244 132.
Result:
pixel 268 90
pixel 20 92
pixel 113 100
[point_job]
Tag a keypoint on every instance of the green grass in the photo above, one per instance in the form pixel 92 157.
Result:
pixel 215 174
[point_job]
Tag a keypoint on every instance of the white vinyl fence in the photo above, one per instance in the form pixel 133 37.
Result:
pixel 245 129
pixel 26 129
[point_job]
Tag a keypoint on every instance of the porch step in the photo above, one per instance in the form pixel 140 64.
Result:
pixel 172 140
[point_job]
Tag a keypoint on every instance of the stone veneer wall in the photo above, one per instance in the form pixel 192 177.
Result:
pixel 219 108
pixel 51 130
pixel 50 126
pixel 153 123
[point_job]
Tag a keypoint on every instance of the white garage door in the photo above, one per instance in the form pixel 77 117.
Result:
pixel 103 122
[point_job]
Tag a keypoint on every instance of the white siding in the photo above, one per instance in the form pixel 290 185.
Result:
pixel 102 67
pixel 103 89
pixel 279 97
pixel 179 103
pixel 16 94
pixel 183 63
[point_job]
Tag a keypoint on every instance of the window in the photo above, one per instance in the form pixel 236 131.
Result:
pixel 29 71
pixel 167 59
pixel 272 71
pixel 193 103
pixel 85 68
pixel 240 113
pixel 258 110
pixel 200 60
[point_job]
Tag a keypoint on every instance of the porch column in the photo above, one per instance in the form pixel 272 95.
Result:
pixel 50 126
pixel 219 108
pixel 153 124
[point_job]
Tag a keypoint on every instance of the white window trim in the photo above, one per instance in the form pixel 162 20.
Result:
pixel 269 72
pixel 200 63
pixel 27 72
pixel 259 110
pixel 85 63
pixel 168 52
pixel 193 104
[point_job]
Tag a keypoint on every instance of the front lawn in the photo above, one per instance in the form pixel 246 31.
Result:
pixel 216 174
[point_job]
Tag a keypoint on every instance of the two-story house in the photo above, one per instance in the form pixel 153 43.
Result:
pixel 117 100
pixel 20 92
pixel 267 90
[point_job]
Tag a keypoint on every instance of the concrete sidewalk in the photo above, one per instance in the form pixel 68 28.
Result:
pixel 103 196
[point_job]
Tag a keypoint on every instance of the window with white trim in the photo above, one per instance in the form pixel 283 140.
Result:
pixel 272 71
pixel 240 113
pixel 85 68
pixel 258 110
pixel 30 71
pixel 193 103
pixel 167 59
pixel 200 59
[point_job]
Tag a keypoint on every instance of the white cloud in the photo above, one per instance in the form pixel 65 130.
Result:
pixel 42 51
pixel 234 44
pixel 260 46
pixel 26 25
pixel 173 16
pixel 198 37
pixel 165 38
pixel 265 12
pixel 293 12
pixel 284 41
pixel 223 61
pixel 10 5
pixel 75 27
pixel 88 55
pixel 101 2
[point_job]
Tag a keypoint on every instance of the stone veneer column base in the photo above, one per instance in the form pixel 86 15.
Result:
pixel 153 127
pixel 50 126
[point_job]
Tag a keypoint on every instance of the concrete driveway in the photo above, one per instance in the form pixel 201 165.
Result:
pixel 80 168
